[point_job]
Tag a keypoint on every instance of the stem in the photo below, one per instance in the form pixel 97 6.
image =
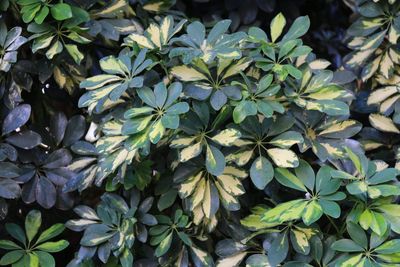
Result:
pixel 333 224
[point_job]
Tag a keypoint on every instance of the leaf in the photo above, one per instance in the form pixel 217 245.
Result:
pixel 164 246
pixel 210 203
pixel 218 99
pixel 284 158
pixel 95 235
pixel 200 257
pixel 187 74
pixel 244 109
pixel 227 137
pixel 343 129
pixel 55 49
pixel 53 246
pixel 50 233
pixel 8 245
pixel 160 93
pixel 33 220
pixel 9 189
pixel 45 193
pixel 306 174
pixel 11 257
pixel 357 234
pixel 156 131
pixel 73 51
pixel 330 208
pixel 277 25
pixel 257 260
pixel 42 14
pixel 312 212
pixel 300 241
pixel 190 152
pixel 215 160
pixel 279 249
pixel 16 118
pixel 61 11
pixel 286 211
pixel 359 161
pixel 167 200
pixel 185 238
pixel 287 179
pixel 287 139
pixel 16 232
pixel 45 259
pixel 383 123
pixel 389 247
pixel 299 27
pixel 346 245
pixel 233 260
pixel 261 172
pixel 136 125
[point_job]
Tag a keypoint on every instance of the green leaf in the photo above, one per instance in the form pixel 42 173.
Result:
pixel 185 238
pixel 356 188
pixel 261 172
pixel 55 49
pixel 9 245
pixel 156 131
pixel 33 221
pixel 359 161
pixel 277 25
pixel 53 246
pixel 16 231
pixel 346 245
pixel 287 139
pixel 389 247
pixel 330 208
pixel 287 211
pixel 330 107
pixel 45 259
pixel 244 109
pixel 39 18
pixel 95 235
pixel 164 246
pixel 378 223
pixel 126 258
pixel 383 176
pixel 300 241
pixel 29 260
pixel 187 74
pixel 286 178
pixel 215 160
pixel 61 11
pixel 357 234
pixel 299 27
pixel 73 51
pixel 11 257
pixel 279 249
pixel 136 125
pixel 306 174
pixel 41 42
pixel 50 232
pixel 365 219
pixel 312 212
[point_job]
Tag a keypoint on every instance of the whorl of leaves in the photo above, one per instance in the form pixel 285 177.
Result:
pixel 193 142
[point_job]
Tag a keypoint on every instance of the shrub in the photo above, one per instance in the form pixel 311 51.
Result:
pixel 184 142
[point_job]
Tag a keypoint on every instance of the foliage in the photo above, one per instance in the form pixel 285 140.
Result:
pixel 33 251
pixel 200 133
